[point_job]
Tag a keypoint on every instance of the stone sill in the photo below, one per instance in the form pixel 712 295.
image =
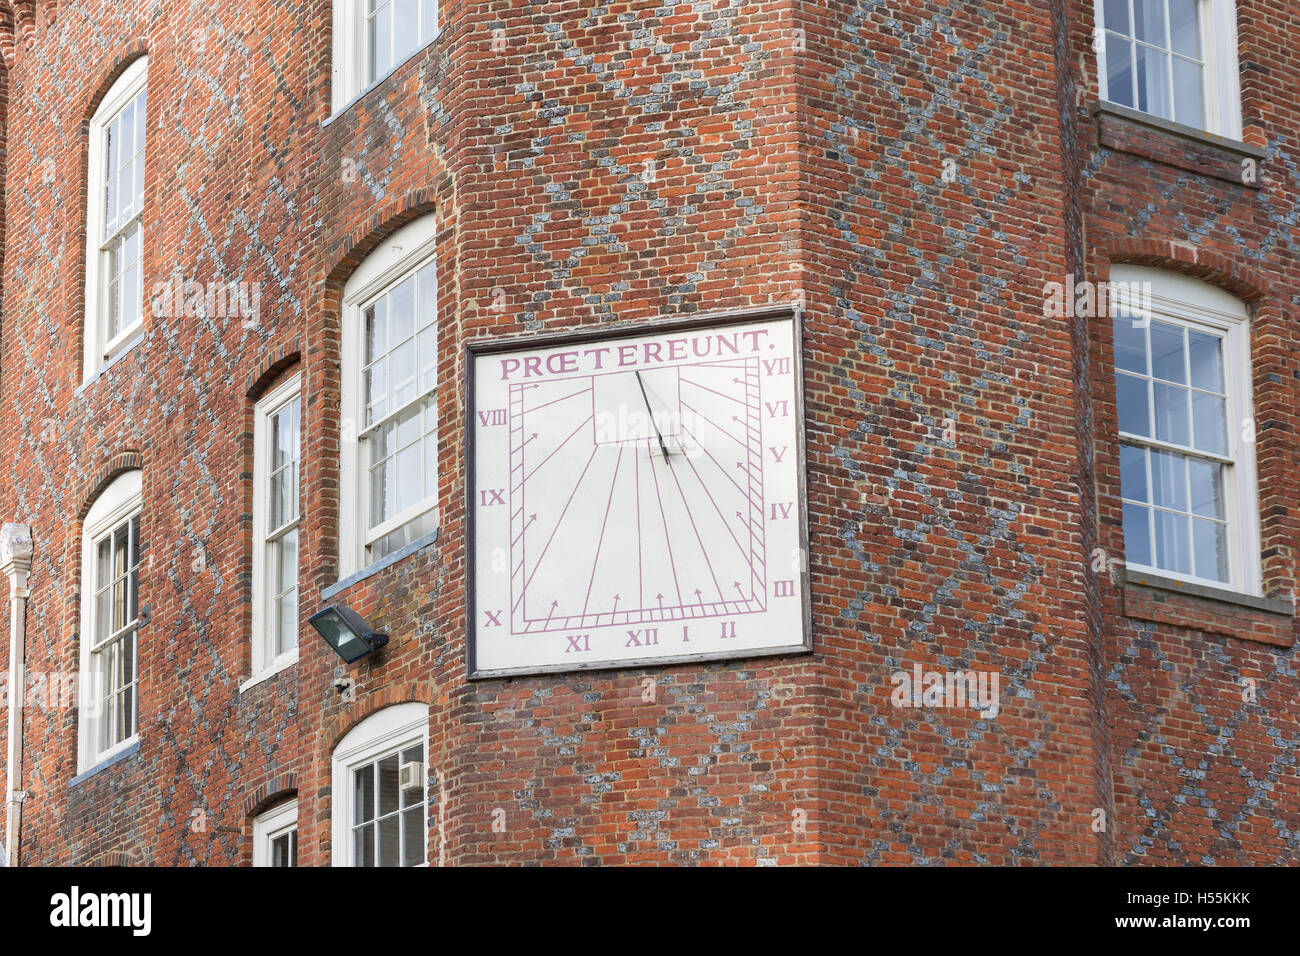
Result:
pixel 1152 597
pixel 1174 144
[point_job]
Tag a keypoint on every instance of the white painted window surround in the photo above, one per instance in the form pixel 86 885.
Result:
pixel 1186 430
pixel 108 702
pixel 277 465
pixel 114 292
pixel 374 37
pixel 275 836
pixel 388 399
pixel 375 822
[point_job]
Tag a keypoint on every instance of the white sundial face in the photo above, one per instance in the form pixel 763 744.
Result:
pixel 637 499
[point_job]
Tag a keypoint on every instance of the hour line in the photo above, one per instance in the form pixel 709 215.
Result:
pixel 595 564
pixel 541 557
pixel 668 538
pixel 557 448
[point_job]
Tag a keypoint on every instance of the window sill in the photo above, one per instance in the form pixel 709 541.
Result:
pixel 116 357
pixel 362 94
pixel 130 748
pixel 1164 600
pixel 287 661
pixel 1174 144
pixel 419 544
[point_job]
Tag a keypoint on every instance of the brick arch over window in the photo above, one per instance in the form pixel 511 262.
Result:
pixel 133 856
pixel 1228 274
pixel 273 791
pixel 387 219
pixel 270 369
pixel 414 691
pixel 119 464
pixel 109 70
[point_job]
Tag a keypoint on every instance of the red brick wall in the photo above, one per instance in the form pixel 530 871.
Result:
pixel 799 154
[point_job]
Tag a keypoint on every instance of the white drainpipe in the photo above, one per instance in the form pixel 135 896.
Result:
pixel 15 563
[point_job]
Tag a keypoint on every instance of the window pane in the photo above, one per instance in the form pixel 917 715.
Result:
pixel 376 330
pixel 383 493
pixel 1206 488
pixel 388 785
pixel 401 374
pixel 1116 16
pixel 413 836
pixel 380 42
pixel 427 303
pixel 428 20
pixel 1119 71
pixel 390 845
pixel 1184 29
pixel 401 304
pixel 1173 545
pixel 1168 480
pixel 140 117
pixel 1188 108
pixel 1153 82
pixel 1133 472
pixel 427 349
pixel 1210 414
pixel 363 845
pixel 1149 21
pixel 431 464
pixel 1131 397
pixel 1130 345
pixel 1211 550
pixel 1206 360
pixel 363 793
pixel 406 28
pixel 413 797
pixel 1137 535
pixel 410 487
pixel 376 386
pixel 1167 359
pixel 1171 414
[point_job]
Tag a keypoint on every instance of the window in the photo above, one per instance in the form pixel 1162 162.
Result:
pixel 389 429
pixel 380 786
pixel 275 836
pixel 1176 59
pixel 114 217
pixel 277 455
pixel 373 37
pixel 109 618
pixel 1182 385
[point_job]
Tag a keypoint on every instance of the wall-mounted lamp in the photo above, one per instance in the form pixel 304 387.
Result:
pixel 347 632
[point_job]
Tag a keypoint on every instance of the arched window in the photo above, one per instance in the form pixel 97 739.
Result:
pixel 114 219
pixel 389 428
pixel 1183 398
pixel 110 584
pixel 380 787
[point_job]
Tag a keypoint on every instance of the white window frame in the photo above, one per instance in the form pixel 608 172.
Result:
pixel 1221 94
pixel 118 503
pixel 98 348
pixel 350 63
pixel 1189 302
pixel 265 663
pixel 407 251
pixel 269 826
pixel 382 733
